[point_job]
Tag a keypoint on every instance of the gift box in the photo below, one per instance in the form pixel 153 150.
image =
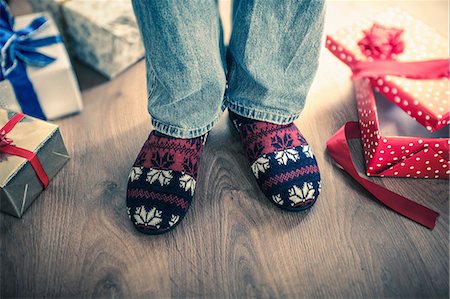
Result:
pixel 51 6
pixel 32 151
pixel 394 145
pixel 395 35
pixel 403 61
pixel 36 75
pixel 102 34
pixel 403 125
pixel 415 152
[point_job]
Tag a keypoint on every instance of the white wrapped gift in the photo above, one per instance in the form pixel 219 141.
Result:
pixel 51 6
pixel 55 84
pixel 54 7
pixel 102 34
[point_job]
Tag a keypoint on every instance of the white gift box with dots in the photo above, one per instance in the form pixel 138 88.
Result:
pixel 426 101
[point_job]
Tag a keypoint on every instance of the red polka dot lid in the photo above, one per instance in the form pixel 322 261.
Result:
pixel 404 39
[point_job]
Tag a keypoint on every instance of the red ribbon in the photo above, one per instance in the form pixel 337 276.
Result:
pixel 428 69
pixel 338 149
pixel 7 147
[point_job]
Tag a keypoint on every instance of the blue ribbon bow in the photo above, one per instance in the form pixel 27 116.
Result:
pixel 17 50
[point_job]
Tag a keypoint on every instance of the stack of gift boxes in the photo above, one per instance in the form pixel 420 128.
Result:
pixel 401 76
pixel 37 83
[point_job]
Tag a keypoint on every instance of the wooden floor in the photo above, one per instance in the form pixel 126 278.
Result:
pixel 76 239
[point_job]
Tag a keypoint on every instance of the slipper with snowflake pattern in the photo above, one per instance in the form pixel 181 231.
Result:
pixel 282 162
pixel 162 182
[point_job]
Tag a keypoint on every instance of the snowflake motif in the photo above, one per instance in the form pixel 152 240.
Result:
pixel 301 138
pixel 129 212
pixel 189 165
pixel 187 183
pixel 282 143
pixel 142 157
pixel 319 188
pixel 260 165
pixel 297 195
pixel 277 199
pixel 248 130
pixel 308 151
pixel 255 151
pixel 284 156
pixel 162 176
pixel 135 174
pixel 164 161
pixel 150 218
pixel 173 219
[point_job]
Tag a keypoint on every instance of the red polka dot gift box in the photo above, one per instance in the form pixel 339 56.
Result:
pixel 406 61
pixel 403 125
pixel 421 155
pixel 394 145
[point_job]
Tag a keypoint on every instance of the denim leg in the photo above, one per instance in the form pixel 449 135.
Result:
pixel 273 57
pixel 185 73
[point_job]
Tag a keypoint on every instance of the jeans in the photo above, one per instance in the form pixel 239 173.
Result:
pixel 265 73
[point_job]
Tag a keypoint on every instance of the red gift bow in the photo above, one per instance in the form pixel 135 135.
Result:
pixel 7 147
pixel 427 69
pixel 338 149
pixel 382 42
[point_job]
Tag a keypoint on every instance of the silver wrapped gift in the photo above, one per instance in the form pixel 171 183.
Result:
pixel 19 182
pixel 100 33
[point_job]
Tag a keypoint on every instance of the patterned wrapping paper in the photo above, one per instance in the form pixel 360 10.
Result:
pixel 102 34
pixel 55 84
pixel 53 7
pixel 19 184
pixel 398 156
pixel 424 100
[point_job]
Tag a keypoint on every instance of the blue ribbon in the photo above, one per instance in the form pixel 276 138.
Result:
pixel 17 50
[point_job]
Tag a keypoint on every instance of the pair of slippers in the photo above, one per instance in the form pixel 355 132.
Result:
pixel 162 182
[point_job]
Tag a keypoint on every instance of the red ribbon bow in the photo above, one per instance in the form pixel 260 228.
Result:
pixel 7 147
pixel 381 42
pixel 381 45
pixel 3 139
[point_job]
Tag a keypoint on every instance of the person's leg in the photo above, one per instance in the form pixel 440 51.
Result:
pixel 272 59
pixel 186 82
pixel 185 76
